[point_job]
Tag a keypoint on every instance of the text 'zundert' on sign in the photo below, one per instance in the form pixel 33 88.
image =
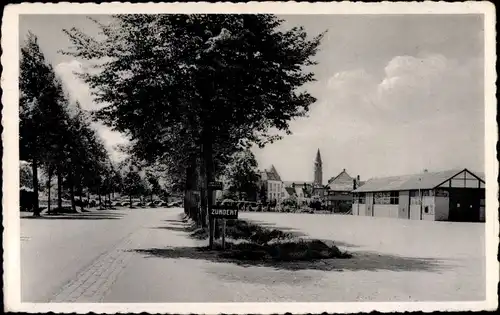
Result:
pixel 224 212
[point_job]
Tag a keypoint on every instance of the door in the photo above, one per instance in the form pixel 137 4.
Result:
pixel 404 205
pixel 369 205
pixel 464 205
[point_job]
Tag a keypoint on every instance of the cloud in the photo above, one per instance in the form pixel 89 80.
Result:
pixel 422 112
pixel 78 90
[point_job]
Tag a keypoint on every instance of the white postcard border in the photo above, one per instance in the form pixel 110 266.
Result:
pixel 11 221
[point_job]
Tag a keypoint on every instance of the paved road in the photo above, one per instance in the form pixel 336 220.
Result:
pixel 142 255
pixel 55 250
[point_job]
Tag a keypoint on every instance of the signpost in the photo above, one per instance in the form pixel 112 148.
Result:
pixel 219 212
pixel 224 212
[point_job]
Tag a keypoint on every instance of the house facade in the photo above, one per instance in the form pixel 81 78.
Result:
pixel 339 195
pixel 273 185
pixel 454 195
pixel 301 190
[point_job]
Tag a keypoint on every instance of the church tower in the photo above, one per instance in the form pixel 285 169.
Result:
pixel 318 170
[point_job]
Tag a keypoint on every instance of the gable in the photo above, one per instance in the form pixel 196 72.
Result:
pixel 343 182
pixel 464 179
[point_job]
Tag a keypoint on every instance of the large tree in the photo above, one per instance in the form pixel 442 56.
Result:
pixel 242 175
pixel 198 88
pixel 41 111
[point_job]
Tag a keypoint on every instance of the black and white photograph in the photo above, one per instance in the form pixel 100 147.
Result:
pixel 188 158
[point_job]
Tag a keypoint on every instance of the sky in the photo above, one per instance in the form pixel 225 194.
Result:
pixel 396 94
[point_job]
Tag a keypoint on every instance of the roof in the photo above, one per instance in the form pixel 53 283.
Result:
pixel 480 175
pixel 318 157
pixel 426 180
pixel 270 174
pixel 290 191
pixel 341 182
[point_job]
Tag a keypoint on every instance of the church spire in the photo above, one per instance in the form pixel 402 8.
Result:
pixel 318 157
pixel 318 170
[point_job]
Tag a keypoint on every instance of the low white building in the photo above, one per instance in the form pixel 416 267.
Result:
pixel 455 195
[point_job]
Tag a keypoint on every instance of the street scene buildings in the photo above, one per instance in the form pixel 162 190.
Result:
pixel 187 158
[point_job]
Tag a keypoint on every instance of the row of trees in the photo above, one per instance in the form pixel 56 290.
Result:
pixel 193 90
pixel 56 137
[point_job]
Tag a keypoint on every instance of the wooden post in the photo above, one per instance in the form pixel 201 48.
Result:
pixel 223 234
pixel 211 232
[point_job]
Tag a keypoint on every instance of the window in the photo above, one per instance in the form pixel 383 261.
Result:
pixel 358 198
pixel 362 198
pixel 394 197
pixel 382 198
pixel 386 198
pixel 441 193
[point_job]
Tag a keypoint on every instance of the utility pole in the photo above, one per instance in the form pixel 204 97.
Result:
pixel 421 200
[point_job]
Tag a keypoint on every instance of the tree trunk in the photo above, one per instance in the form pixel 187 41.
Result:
pixel 48 189
pixel 72 192
pixel 190 199
pixel 99 200
pixel 81 197
pixel 130 200
pixel 36 206
pixel 59 187
pixel 202 186
pixel 88 196
pixel 208 170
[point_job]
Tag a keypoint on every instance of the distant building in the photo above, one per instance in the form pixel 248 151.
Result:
pixel 273 185
pixel 454 195
pixel 289 192
pixel 301 190
pixel 339 191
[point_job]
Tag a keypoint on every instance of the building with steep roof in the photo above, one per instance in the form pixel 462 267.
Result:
pixel 453 195
pixel 272 184
pixel 339 194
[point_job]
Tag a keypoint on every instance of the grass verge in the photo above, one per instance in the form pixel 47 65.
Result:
pixel 249 241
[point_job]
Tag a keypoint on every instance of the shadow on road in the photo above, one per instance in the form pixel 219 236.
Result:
pixel 176 221
pixel 180 228
pixel 93 215
pixel 361 261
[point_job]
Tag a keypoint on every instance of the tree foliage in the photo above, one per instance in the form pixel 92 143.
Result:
pixel 190 88
pixel 55 135
pixel 242 174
